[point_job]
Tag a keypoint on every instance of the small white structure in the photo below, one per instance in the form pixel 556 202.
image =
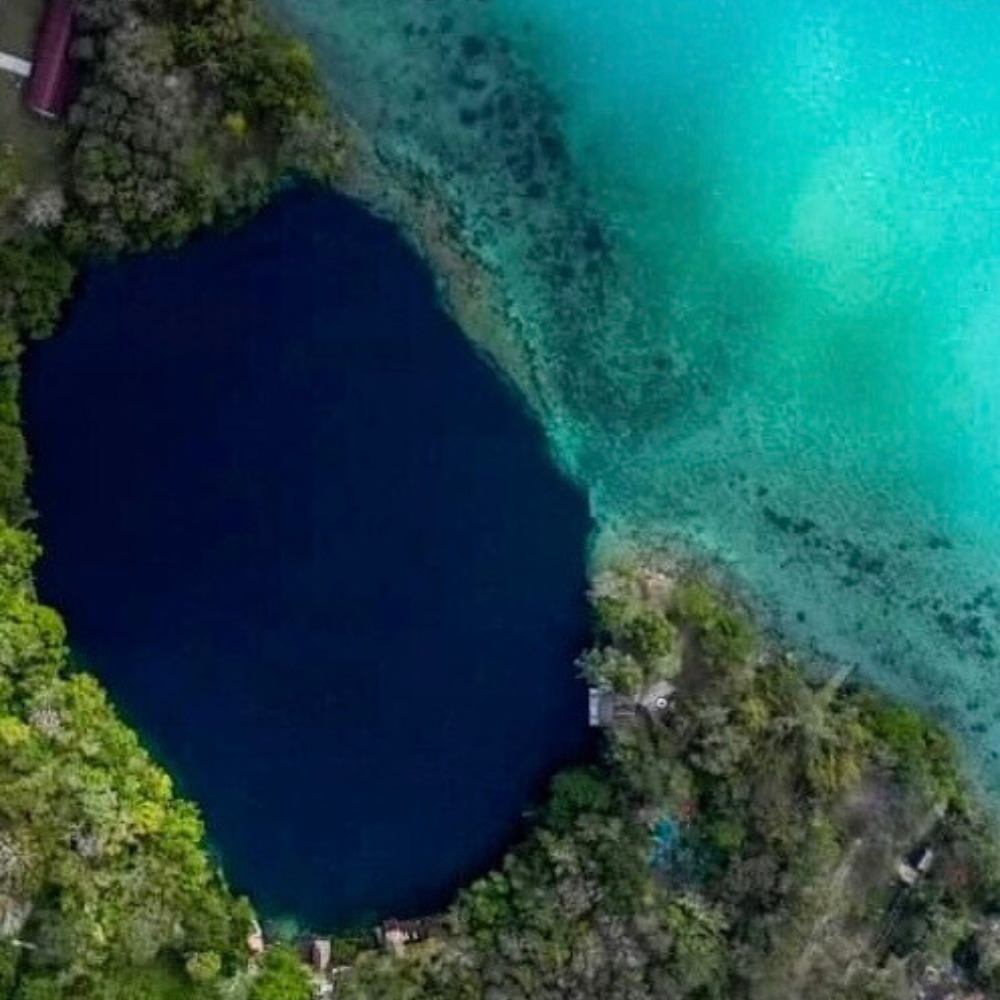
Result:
pixel 910 870
pixel 605 708
pixel 15 65
pixel 255 940
pixel 395 935
pixel 656 697
pixel 594 706
pixel 396 940
pixel 320 953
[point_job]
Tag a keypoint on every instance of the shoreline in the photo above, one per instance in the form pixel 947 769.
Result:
pixel 424 218
pixel 469 292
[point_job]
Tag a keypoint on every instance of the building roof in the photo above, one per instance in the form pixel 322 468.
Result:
pixel 48 89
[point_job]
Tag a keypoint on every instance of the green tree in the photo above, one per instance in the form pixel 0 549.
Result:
pixel 649 635
pixel 35 281
pixel 697 948
pixel 612 668
pixel 11 174
pixel 575 793
pixel 203 966
pixel 725 634
pixel 282 976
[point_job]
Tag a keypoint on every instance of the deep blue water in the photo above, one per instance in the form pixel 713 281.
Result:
pixel 318 553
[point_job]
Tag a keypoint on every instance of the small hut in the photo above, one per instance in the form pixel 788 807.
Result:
pixel 606 707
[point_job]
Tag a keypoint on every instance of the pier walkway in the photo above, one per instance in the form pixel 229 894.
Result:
pixel 15 65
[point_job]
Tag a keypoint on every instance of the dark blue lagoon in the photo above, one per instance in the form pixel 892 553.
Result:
pixel 318 553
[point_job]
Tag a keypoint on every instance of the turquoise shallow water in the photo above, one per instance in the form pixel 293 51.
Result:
pixel 750 251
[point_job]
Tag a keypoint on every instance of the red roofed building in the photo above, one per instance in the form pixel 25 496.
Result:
pixel 48 91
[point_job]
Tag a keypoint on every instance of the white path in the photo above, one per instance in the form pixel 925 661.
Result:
pixel 15 65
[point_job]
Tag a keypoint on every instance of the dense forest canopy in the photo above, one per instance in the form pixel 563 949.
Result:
pixel 187 112
pixel 190 111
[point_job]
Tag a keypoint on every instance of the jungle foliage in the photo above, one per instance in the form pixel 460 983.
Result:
pixel 106 891
pixel 191 111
